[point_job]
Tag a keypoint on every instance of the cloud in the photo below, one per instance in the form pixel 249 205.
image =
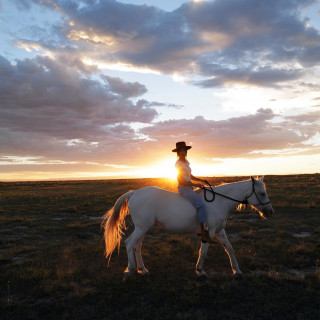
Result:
pixel 268 42
pixel 311 117
pixel 70 115
pixel 267 77
pixel 239 136
pixel 162 104
pixel 46 103
pixel 56 109
pixel 125 89
pixel 264 43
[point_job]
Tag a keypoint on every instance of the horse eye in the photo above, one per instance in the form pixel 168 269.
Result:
pixel 263 194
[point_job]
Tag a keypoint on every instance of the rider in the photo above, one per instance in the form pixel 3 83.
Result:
pixel 185 188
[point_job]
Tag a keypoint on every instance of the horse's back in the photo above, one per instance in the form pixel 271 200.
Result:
pixel 147 196
pixel 155 205
pixel 154 191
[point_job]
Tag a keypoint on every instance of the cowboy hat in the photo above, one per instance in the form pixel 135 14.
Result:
pixel 181 146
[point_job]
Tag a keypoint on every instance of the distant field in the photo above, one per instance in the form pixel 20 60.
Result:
pixel 52 263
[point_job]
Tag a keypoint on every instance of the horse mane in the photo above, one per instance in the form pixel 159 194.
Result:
pixel 228 183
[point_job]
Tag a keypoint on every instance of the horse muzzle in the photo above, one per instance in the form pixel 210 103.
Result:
pixel 267 212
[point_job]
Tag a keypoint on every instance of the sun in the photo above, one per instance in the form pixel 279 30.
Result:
pixel 162 169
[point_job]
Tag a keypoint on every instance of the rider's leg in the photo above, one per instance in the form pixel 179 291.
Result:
pixel 195 199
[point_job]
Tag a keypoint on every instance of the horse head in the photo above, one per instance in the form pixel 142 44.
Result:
pixel 259 200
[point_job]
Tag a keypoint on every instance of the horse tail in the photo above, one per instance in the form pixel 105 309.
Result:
pixel 113 222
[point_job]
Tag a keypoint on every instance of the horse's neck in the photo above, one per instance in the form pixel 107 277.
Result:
pixel 237 190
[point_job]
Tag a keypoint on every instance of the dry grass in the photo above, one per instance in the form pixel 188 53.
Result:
pixel 53 266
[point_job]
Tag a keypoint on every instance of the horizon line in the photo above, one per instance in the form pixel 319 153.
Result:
pixel 140 178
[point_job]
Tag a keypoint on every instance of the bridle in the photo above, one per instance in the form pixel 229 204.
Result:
pixel 245 201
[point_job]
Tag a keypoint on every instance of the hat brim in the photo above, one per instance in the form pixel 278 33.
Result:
pixel 184 148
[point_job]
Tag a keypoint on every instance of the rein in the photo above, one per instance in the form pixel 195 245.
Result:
pixel 245 201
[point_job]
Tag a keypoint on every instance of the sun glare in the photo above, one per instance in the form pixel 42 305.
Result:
pixel 162 169
pixel 166 169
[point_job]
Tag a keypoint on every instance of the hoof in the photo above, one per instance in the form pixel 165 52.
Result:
pixel 202 277
pixel 237 276
pixel 127 274
pixel 201 274
pixel 143 271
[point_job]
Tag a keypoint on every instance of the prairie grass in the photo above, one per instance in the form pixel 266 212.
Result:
pixel 53 267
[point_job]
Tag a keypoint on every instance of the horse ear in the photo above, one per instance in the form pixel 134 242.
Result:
pixel 252 178
pixel 261 179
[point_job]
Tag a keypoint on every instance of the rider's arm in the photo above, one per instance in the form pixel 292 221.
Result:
pixel 197 179
pixel 186 183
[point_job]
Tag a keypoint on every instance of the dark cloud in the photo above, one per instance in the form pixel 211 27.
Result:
pixel 53 111
pixel 267 77
pixel 61 108
pixel 125 89
pixel 250 42
pixel 261 35
pixel 161 104
pixel 46 103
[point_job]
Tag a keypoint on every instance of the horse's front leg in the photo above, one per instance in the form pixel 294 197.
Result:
pixel 202 255
pixel 223 239
pixel 140 265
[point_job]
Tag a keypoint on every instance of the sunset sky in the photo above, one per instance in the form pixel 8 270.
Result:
pixel 105 88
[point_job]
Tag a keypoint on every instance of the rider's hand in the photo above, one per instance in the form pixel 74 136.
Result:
pixel 199 185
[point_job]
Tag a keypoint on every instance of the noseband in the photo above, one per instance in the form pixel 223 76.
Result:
pixel 254 192
pixel 245 201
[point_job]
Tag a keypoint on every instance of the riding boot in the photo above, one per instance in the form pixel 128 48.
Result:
pixel 205 233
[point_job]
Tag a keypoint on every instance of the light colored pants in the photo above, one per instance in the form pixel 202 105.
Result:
pixel 189 194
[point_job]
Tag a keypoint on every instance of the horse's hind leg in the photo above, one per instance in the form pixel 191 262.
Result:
pixel 140 265
pixel 130 242
pixel 202 254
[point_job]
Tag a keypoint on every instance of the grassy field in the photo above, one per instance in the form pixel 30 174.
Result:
pixel 52 263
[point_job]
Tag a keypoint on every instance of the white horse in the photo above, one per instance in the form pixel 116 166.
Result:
pixel 169 210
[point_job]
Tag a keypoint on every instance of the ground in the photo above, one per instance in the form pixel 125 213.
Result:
pixel 52 257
